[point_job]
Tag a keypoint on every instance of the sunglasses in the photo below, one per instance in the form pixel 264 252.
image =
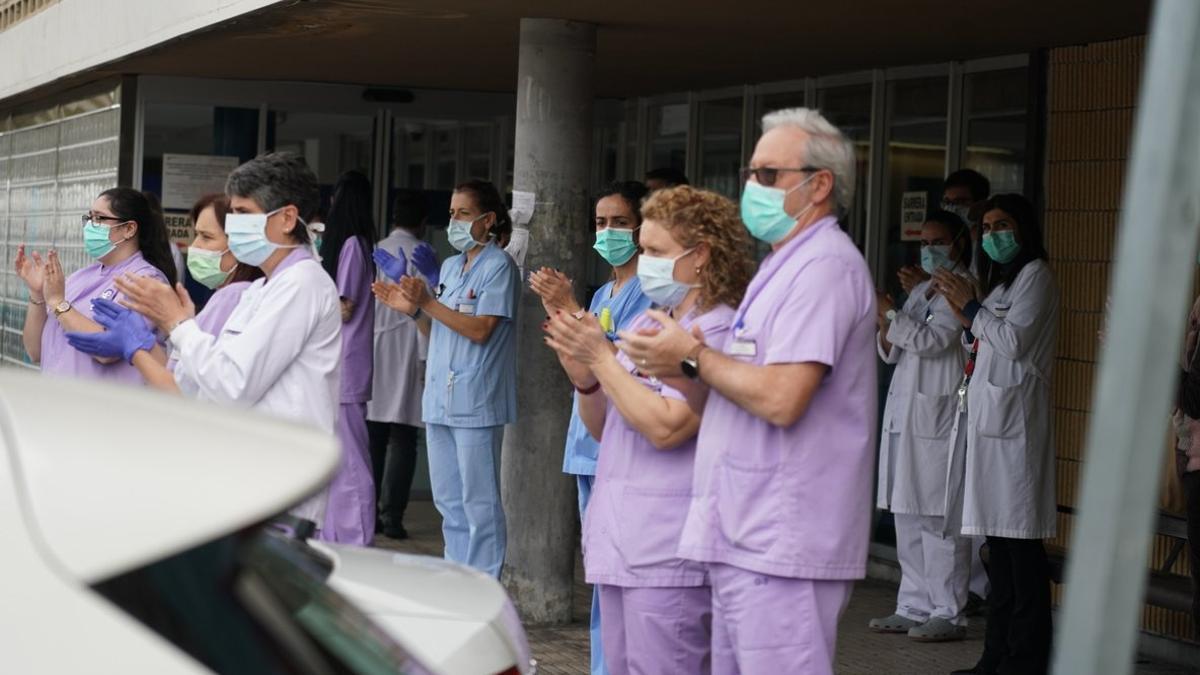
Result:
pixel 766 176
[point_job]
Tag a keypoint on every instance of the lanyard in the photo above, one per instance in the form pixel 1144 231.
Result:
pixel 968 371
pixel 775 261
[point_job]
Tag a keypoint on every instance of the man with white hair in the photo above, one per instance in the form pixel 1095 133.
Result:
pixel 781 503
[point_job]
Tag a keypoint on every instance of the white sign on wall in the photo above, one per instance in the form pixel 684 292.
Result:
pixel 187 178
pixel 912 215
pixel 179 228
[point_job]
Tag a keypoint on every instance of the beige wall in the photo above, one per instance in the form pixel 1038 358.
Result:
pixel 1091 100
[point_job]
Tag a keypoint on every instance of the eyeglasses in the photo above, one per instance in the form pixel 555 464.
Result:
pixel 97 218
pixel 767 176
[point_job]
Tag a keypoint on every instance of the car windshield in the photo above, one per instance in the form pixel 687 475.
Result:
pixel 251 603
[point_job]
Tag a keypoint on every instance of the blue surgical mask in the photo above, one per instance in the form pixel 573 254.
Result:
pixel 934 258
pixel 248 237
pixel 615 245
pixel 459 234
pixel 96 240
pixel 657 276
pixel 763 214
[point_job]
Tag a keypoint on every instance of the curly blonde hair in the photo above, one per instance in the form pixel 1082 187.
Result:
pixel 695 217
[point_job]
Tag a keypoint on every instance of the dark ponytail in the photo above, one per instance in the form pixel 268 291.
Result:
pixel 488 198
pixel 152 240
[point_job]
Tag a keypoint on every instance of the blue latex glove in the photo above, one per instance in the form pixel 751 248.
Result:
pixel 426 262
pixel 126 332
pixel 391 266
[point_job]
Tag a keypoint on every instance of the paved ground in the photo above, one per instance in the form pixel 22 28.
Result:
pixel 563 650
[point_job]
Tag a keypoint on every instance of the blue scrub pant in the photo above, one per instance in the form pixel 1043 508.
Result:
pixel 464 470
pixel 585 494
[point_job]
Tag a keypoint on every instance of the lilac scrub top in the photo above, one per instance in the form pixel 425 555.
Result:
pixel 85 285
pixel 641 495
pixel 579 457
pixel 795 501
pixel 216 312
pixel 354 277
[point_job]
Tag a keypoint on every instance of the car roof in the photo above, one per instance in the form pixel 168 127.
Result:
pixel 112 477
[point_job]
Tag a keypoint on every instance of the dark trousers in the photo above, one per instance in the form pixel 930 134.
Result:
pixel 394 463
pixel 1019 630
pixel 1191 492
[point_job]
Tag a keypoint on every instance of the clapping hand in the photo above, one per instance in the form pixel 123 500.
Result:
pixel 555 289
pixel 31 269
pixel 391 295
pixel 126 333
pixel 910 276
pixel 426 262
pixel 393 267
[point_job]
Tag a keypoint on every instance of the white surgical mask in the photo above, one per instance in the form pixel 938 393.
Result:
pixel 247 234
pixel 459 234
pixel 657 276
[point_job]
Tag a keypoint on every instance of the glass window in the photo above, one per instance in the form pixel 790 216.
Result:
pixel 331 144
pixel 180 129
pixel 721 146
pixel 478 141
pixel 445 157
pixel 849 109
pixel 995 105
pixel 409 141
pixel 915 164
pixel 668 136
pixel 772 102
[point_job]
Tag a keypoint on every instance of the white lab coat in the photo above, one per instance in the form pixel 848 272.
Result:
pixel 398 379
pixel 279 352
pixel 919 412
pixel 1001 479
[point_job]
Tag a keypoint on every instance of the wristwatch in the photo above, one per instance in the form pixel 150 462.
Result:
pixel 691 363
pixel 890 315
pixel 62 308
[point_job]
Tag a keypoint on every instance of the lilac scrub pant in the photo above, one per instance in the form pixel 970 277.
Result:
pixel 764 624
pixel 654 630
pixel 350 513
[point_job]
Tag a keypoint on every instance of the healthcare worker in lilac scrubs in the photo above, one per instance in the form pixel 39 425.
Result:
pixel 124 235
pixel 471 374
pixel 781 505
pixel 615 304
pixel 656 608
pixel 346 255
pixel 211 264
pixel 280 350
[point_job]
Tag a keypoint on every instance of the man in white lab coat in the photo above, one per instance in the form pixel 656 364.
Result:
pixel 394 412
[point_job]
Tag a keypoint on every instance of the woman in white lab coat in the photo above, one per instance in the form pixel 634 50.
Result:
pixel 922 341
pixel 1006 485
pixel 280 350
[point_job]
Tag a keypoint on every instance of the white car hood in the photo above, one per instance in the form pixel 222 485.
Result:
pixel 108 491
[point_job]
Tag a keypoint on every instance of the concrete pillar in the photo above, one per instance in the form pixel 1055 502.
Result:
pixel 552 160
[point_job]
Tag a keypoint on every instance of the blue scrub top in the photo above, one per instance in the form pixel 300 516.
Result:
pixel 467 384
pixel 579 459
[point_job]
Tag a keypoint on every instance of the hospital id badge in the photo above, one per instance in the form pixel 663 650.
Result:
pixel 747 348
pixel 465 308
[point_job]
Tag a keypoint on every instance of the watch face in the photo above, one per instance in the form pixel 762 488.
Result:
pixel 690 368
